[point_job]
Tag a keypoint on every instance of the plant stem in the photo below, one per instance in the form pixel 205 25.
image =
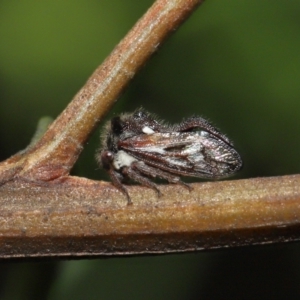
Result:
pixel 81 217
pixel 57 151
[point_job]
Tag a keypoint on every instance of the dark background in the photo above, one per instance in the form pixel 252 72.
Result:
pixel 234 62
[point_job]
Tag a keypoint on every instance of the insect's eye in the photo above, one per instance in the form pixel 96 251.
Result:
pixel 117 125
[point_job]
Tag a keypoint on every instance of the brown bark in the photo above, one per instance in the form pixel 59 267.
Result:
pixel 81 217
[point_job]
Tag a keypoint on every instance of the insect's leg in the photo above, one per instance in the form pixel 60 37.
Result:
pixel 136 176
pixel 198 122
pixel 116 180
pixel 155 172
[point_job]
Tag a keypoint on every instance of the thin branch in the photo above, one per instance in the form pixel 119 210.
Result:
pixel 55 154
pixel 88 218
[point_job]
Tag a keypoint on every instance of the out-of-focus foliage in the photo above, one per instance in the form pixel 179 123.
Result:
pixel 234 62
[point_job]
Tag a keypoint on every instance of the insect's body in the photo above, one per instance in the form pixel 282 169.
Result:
pixel 137 146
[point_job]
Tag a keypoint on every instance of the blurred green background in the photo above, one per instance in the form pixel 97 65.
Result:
pixel 234 62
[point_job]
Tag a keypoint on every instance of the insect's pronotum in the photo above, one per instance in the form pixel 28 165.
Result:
pixel 138 146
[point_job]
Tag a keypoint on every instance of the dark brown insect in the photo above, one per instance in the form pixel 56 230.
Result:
pixel 138 146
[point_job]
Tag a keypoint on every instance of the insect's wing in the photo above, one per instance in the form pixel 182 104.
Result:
pixel 196 153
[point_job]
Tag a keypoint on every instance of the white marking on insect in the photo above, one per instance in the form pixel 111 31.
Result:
pixel 147 130
pixel 153 149
pixel 122 159
pixel 203 133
